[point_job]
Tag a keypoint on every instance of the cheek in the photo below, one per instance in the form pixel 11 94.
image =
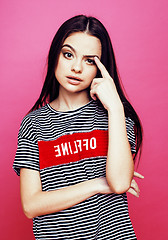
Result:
pixel 60 68
pixel 57 72
pixel 92 73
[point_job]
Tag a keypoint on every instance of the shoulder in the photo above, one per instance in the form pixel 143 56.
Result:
pixel 37 113
pixel 29 122
pixel 30 117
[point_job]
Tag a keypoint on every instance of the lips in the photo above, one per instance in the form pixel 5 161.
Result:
pixel 74 78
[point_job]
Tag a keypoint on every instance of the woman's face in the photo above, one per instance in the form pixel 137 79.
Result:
pixel 76 69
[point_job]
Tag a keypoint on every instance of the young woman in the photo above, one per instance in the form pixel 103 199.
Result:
pixel 76 146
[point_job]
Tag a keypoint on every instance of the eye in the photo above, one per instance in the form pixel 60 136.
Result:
pixel 90 61
pixel 67 55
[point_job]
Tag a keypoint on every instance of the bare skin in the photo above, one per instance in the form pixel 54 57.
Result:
pixel 119 165
pixel 74 62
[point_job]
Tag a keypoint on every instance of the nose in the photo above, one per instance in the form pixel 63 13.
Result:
pixel 77 66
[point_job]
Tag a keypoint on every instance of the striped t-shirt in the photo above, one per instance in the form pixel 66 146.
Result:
pixel 68 148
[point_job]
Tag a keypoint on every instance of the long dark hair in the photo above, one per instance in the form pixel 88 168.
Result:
pixel 93 27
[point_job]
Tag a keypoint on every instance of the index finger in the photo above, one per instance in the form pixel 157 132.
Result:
pixel 102 68
pixel 136 174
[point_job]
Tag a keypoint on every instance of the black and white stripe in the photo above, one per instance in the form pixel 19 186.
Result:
pixel 99 217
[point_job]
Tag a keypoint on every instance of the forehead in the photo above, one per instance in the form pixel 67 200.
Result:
pixel 84 43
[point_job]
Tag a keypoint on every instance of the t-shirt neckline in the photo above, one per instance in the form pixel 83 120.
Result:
pixel 70 111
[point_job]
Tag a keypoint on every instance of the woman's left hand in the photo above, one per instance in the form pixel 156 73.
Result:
pixel 104 88
pixel 134 189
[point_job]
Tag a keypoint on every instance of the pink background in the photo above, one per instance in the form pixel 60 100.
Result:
pixel 139 34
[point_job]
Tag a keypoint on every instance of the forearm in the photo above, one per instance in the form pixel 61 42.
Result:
pixel 119 166
pixel 42 202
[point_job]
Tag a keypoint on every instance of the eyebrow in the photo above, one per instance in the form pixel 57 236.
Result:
pixel 89 56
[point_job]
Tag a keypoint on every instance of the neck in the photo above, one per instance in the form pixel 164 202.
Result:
pixel 70 101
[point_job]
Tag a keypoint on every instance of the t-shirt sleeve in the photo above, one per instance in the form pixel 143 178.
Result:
pixel 27 154
pixel 131 134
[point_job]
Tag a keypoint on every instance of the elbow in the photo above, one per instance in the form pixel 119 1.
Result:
pixel 119 187
pixel 27 209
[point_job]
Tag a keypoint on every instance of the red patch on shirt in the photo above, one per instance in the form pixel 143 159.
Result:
pixel 72 148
